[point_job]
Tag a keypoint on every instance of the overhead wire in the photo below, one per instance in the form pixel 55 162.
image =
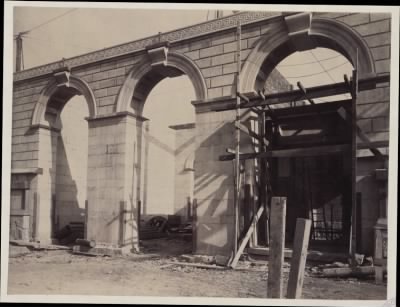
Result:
pixel 316 74
pixel 306 63
pixel 51 20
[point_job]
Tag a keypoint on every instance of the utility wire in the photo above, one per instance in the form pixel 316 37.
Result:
pixel 50 20
pixel 313 62
pixel 315 74
pixel 322 66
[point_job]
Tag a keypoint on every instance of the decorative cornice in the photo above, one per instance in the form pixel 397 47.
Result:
pixel 204 28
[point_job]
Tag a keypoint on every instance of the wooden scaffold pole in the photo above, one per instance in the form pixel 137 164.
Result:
pixel 237 122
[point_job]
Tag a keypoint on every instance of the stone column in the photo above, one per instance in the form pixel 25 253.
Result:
pixel 214 183
pixel 45 184
pixel 114 153
pixel 214 179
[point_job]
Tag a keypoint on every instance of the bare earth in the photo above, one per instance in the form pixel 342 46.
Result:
pixel 60 272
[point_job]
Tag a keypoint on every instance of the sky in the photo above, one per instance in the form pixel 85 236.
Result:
pixel 56 33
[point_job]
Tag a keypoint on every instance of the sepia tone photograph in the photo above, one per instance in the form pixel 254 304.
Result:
pixel 200 154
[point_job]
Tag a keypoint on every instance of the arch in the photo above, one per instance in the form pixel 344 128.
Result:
pixel 175 61
pixel 323 32
pixel 77 85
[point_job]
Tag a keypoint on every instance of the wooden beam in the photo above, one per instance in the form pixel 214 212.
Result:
pixel 344 114
pixel 277 246
pixel 246 130
pixel 375 144
pixel 297 152
pixel 296 95
pixel 298 261
pixel 243 97
pixel 246 238
pixel 310 110
pixel 302 88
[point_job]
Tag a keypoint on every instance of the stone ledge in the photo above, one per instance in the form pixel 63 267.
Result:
pixel 33 170
pixel 183 126
pixel 116 115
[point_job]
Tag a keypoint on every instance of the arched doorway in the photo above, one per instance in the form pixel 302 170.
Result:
pixel 59 120
pixel 319 187
pixel 165 135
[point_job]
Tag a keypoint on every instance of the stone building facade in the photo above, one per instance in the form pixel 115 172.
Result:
pixel 115 83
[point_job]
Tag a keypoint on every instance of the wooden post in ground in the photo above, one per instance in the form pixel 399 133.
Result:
pixel 248 205
pixel 298 262
pixel 139 217
pixel 194 225
pixel 189 208
pixel 277 246
pixel 35 224
pixel 122 210
pixel 86 219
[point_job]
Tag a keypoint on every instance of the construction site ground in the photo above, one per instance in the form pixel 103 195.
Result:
pixel 152 274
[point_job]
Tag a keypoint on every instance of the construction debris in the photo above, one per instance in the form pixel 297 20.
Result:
pixel 83 242
pixel 198 265
pixel 358 266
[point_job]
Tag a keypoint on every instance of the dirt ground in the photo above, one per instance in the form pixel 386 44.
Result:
pixel 61 272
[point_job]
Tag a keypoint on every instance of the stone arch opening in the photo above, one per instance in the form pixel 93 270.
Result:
pixel 168 139
pixel 143 78
pixel 312 32
pixel 56 94
pixel 59 120
pixel 329 204
pixel 163 69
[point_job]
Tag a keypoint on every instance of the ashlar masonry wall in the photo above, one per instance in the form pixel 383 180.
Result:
pixel 116 81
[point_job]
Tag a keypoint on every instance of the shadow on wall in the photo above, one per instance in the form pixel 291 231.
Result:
pixel 69 207
pixel 214 192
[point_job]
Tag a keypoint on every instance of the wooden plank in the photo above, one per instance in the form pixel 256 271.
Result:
pixel 246 238
pixel 296 95
pixel 296 152
pixel 277 245
pixel 298 262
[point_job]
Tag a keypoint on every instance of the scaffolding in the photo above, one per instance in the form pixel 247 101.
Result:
pixel 261 103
